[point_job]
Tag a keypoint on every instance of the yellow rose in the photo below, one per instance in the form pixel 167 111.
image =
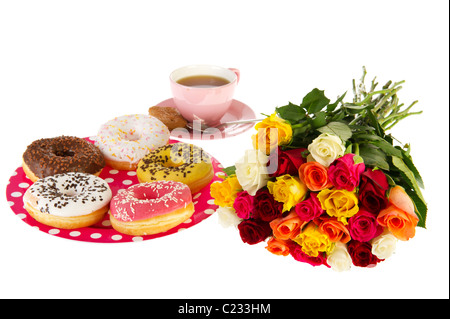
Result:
pixel 313 241
pixel 287 189
pixel 272 131
pixel 339 203
pixel 225 192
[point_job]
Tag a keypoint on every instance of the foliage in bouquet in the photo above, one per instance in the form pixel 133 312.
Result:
pixel 325 183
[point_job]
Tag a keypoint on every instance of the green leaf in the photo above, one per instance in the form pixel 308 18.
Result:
pixel 390 180
pixel 373 156
pixel 314 101
pixel 409 162
pixel 337 128
pixel 374 122
pixel 357 129
pixel 421 208
pixel 357 159
pixel 291 112
pixel 413 190
pixel 380 142
pixel 230 170
pixel 319 120
pixel 411 179
pixel 332 107
pixel 388 148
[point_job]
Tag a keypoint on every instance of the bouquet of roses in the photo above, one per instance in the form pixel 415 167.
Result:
pixel 325 183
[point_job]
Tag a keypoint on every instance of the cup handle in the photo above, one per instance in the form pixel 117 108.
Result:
pixel 237 72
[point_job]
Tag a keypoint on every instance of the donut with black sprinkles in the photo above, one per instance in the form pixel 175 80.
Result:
pixel 69 194
pixel 180 162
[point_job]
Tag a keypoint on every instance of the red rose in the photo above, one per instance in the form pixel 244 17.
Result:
pixel 361 254
pixel 372 191
pixel 253 231
pixel 309 209
pixel 285 162
pixel 299 255
pixel 243 205
pixel 265 206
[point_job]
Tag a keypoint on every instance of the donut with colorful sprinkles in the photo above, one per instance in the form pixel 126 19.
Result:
pixel 126 139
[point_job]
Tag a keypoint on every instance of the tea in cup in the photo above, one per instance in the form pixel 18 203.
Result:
pixel 203 92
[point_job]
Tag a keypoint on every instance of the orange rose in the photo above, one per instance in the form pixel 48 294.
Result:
pixel 288 227
pixel 335 230
pixel 314 175
pixel 278 246
pixel 399 217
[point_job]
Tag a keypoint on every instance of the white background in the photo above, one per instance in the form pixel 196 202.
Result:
pixel 66 67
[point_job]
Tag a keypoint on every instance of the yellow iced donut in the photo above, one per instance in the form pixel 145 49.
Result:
pixel 180 162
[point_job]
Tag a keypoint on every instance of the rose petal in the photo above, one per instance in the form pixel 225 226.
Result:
pixel 400 199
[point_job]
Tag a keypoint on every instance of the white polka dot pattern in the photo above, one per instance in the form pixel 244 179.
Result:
pixel 103 232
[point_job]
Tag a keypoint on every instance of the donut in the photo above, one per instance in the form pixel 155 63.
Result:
pixel 58 155
pixel 126 139
pixel 70 200
pixel 169 116
pixel 180 162
pixel 151 208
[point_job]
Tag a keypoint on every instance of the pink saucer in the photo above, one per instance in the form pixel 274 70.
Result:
pixel 237 111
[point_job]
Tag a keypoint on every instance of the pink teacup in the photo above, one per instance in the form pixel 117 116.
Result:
pixel 203 101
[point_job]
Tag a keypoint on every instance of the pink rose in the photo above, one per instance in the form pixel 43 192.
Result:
pixel 309 209
pixel 344 173
pixel 299 255
pixel 243 204
pixel 364 226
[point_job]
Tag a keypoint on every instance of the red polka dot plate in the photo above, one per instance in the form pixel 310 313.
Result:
pixel 103 232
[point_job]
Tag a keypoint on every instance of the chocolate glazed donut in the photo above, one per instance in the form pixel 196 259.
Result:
pixel 51 156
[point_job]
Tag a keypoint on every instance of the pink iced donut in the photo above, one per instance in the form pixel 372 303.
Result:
pixel 151 208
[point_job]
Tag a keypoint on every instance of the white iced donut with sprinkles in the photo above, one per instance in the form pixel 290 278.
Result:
pixel 126 139
pixel 68 201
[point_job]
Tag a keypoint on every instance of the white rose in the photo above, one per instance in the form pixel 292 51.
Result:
pixel 251 171
pixel 326 148
pixel 339 259
pixel 228 217
pixel 384 245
